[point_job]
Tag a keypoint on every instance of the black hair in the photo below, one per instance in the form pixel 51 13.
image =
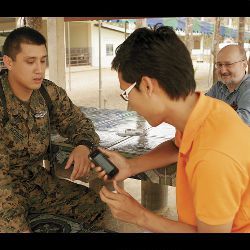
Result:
pixel 11 46
pixel 160 54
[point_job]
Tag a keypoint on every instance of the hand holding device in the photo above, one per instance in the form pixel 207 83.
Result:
pixel 98 158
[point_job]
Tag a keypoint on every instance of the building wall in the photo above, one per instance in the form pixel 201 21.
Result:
pixel 44 29
pixel 78 34
pixel 107 37
pixel 86 35
pixel 5 27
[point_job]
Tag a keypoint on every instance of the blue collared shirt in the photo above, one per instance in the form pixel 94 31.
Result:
pixel 239 99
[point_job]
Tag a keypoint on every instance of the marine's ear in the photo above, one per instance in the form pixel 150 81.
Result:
pixel 8 62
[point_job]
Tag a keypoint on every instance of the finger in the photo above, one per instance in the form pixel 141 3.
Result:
pixel 92 165
pixel 119 189
pixel 74 172
pixel 82 166
pixel 77 167
pixel 79 173
pixel 109 194
pixel 106 151
pixel 83 170
pixel 98 169
pixel 104 176
pixel 86 169
pixel 105 195
pixel 69 162
pixel 101 174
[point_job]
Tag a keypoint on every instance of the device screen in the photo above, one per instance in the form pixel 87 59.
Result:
pixel 102 161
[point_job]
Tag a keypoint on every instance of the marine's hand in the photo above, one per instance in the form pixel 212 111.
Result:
pixel 79 156
pixel 119 161
pixel 122 205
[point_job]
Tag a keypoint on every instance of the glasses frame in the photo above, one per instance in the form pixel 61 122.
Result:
pixel 227 65
pixel 126 92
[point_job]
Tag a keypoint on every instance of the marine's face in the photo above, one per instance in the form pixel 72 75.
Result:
pixel 28 69
pixel 231 67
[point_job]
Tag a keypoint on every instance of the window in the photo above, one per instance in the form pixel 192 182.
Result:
pixel 109 49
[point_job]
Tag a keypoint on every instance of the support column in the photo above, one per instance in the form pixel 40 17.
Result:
pixel 56 50
pixel 154 196
pixel 202 47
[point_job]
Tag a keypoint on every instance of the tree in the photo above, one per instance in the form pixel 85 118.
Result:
pixel 139 23
pixel 248 65
pixel 34 22
pixel 241 31
pixel 215 48
pixel 189 41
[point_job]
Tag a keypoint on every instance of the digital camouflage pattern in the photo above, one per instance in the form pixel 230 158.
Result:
pixel 25 185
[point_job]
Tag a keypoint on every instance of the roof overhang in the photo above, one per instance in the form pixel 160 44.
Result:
pixel 70 19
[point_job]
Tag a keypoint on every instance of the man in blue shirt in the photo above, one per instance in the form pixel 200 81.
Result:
pixel 233 86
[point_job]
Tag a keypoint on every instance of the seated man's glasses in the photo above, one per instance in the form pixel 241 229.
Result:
pixel 125 93
pixel 219 65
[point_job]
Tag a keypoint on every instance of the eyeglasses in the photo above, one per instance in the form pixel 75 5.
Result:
pixel 219 65
pixel 125 93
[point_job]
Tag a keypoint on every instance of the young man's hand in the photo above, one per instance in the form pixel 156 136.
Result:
pixel 119 161
pixel 79 156
pixel 122 205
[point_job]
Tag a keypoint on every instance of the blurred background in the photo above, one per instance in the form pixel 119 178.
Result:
pixel 80 49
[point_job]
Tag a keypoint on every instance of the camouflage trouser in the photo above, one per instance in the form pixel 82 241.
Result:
pixel 33 190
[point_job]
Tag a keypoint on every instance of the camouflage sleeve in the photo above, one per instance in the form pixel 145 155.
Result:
pixel 68 119
pixel 5 179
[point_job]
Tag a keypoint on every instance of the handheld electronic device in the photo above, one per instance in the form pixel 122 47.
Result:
pixel 98 158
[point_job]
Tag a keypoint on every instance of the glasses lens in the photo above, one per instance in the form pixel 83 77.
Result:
pixel 218 65
pixel 227 65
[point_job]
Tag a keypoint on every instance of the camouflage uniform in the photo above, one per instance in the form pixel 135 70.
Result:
pixel 25 185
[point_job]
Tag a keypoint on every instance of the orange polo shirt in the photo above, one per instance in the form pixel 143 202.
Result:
pixel 213 171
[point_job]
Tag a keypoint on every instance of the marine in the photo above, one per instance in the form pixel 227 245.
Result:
pixel 26 123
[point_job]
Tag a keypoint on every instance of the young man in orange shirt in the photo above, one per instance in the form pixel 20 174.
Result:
pixel 211 144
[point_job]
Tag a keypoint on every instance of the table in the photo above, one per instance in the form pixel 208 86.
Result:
pixel 154 189
pixel 110 125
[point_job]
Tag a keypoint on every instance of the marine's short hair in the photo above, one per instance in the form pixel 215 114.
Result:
pixel 11 46
pixel 160 54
